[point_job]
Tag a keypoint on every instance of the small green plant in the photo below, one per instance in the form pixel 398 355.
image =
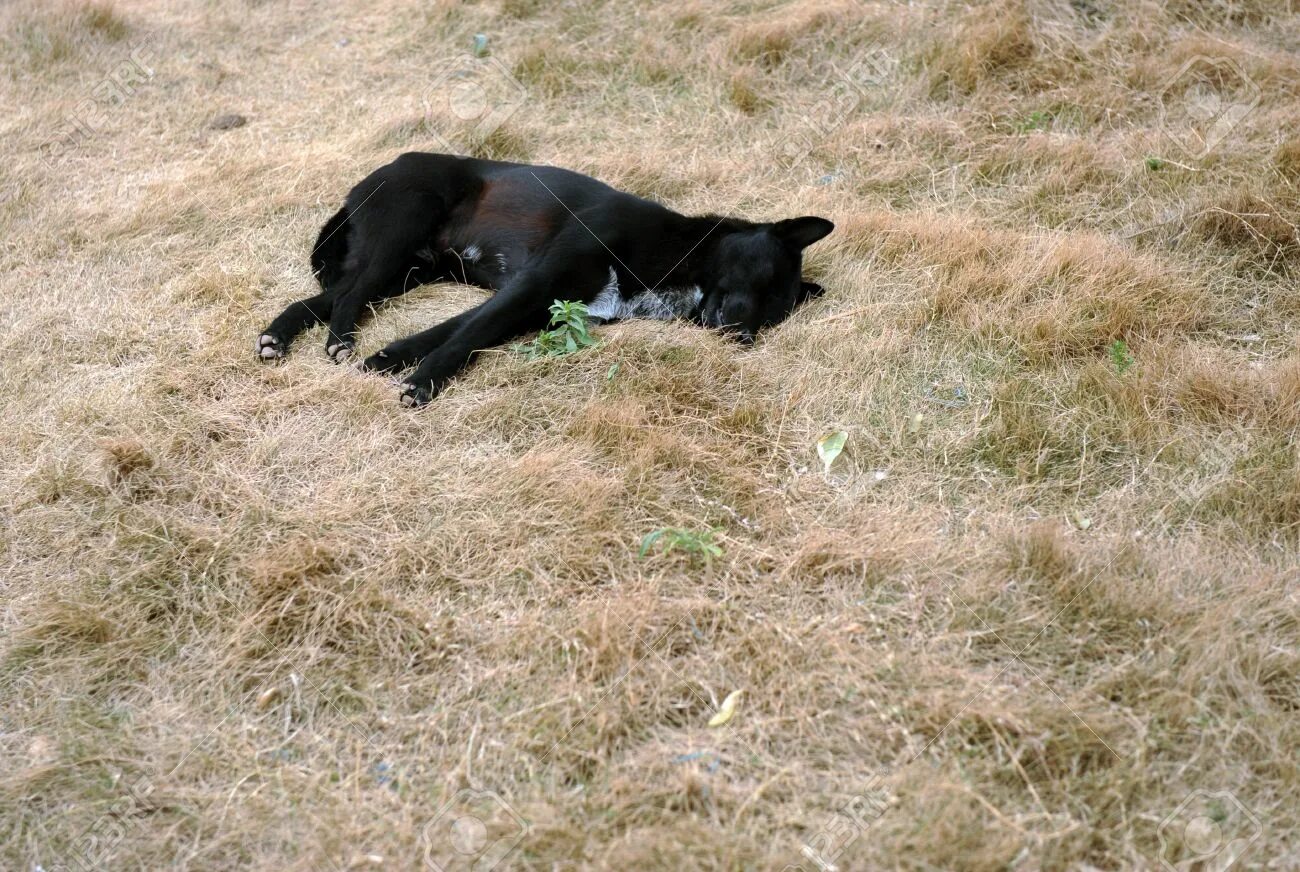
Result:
pixel 697 545
pixel 567 332
pixel 1120 356
pixel 1154 163
pixel 1034 121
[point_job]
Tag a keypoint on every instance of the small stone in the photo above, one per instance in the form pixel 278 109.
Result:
pixel 228 121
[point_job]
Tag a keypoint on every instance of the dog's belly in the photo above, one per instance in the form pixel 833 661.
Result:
pixel 471 264
pixel 661 304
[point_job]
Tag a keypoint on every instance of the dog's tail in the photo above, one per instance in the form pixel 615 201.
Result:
pixel 331 248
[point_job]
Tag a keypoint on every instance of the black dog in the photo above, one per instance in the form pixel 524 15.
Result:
pixel 534 234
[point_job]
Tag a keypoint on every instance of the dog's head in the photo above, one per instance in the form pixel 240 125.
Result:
pixel 755 275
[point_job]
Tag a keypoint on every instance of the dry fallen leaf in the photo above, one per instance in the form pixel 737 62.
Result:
pixel 726 710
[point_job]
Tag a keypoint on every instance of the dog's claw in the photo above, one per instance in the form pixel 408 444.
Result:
pixel 413 396
pixel 379 362
pixel 269 347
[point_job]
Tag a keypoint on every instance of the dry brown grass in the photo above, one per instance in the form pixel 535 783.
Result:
pixel 268 618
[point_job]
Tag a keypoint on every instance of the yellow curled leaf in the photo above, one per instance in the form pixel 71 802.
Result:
pixel 726 710
pixel 268 696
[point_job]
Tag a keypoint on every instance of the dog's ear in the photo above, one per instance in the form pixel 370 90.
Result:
pixel 799 233
pixel 809 290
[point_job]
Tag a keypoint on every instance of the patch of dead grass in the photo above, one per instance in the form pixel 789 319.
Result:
pixel 37 37
pixel 1046 592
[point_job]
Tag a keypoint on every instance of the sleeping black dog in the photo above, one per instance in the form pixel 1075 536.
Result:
pixel 533 234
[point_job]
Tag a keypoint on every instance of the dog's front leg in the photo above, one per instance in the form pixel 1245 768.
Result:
pixel 406 352
pixel 521 306
pixel 517 308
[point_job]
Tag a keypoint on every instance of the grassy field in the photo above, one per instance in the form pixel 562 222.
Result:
pixel 1041 613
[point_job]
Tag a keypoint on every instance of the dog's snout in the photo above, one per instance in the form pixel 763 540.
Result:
pixel 737 310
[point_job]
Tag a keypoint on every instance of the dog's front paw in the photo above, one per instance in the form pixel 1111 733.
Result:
pixel 270 347
pixel 339 352
pixel 382 361
pixel 414 395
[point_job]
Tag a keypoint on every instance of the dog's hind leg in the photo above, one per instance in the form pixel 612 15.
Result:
pixel 327 258
pixel 297 317
pixel 273 342
pixel 387 236
pixel 373 283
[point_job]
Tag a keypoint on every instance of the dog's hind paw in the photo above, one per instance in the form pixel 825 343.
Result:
pixel 414 396
pixel 339 352
pixel 269 347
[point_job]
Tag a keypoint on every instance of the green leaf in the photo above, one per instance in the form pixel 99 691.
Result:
pixel 649 540
pixel 568 334
pixel 1034 121
pixel 695 544
pixel 1120 356
pixel 829 448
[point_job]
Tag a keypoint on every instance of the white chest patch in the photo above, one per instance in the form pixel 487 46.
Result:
pixel 663 304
